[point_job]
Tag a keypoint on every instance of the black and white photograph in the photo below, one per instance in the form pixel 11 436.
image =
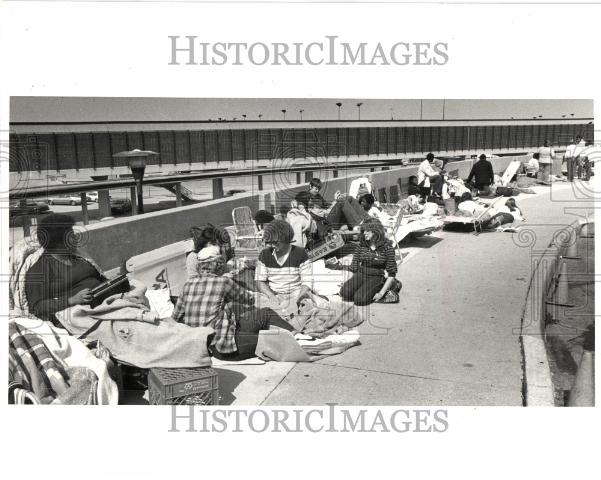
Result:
pixel 291 239
pixel 302 252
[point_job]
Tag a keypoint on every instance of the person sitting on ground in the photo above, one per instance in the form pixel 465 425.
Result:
pixel 203 238
pixel 482 173
pixel 533 166
pixel 428 179
pixel 59 288
pixel 368 201
pixel 372 258
pixel 214 300
pixel 413 187
pixel 61 277
pixel 283 272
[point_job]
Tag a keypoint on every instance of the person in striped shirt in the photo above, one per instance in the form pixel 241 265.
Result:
pixel 372 258
pixel 283 272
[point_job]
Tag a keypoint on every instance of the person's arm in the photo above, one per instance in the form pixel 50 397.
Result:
pixel 179 310
pixel 261 279
pixel 391 269
pixel 491 173
pixel 306 278
pixel 39 297
pixel 355 262
pixel 238 292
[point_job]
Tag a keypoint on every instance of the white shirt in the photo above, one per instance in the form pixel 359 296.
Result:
pixel 424 173
pixel 379 214
pixel 517 213
pixel 571 148
pixel 533 164
pixel 579 148
pixel 471 207
pixel 545 155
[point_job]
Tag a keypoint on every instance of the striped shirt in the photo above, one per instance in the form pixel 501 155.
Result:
pixel 202 303
pixel 287 274
pixel 381 258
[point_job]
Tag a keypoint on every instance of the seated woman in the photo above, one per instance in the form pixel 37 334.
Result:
pixel 203 238
pixel 58 288
pixel 61 277
pixel 373 257
pixel 214 300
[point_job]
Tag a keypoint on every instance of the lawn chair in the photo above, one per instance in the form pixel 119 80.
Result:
pixel 245 229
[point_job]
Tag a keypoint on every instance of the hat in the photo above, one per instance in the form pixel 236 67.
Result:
pixel 209 253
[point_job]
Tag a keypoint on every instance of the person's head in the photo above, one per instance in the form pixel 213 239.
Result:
pixel 55 233
pixel 263 217
pixel 466 197
pixel 278 235
pixel 315 186
pixel 210 261
pixel 510 203
pixel 546 143
pixel 367 201
pixel 202 237
pixel 430 157
pixel 373 232
pixel 412 180
pixel 482 157
pixel 578 138
pixel 536 156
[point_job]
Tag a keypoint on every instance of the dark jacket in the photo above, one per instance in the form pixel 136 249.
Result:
pixel 482 173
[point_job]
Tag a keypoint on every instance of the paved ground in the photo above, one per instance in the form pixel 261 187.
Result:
pixel 452 340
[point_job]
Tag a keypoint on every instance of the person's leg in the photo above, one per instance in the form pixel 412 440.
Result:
pixel 336 218
pixel 353 212
pixel 371 285
pixel 436 181
pixel 348 289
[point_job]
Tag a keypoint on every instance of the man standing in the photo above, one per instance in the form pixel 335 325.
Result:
pixel 546 155
pixel 428 179
pixel 579 156
pixel 482 173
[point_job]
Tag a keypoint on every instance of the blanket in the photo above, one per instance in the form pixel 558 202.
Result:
pixel 51 375
pixel 134 334
pixel 72 353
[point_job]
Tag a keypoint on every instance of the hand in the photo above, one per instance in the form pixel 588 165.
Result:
pixel 81 298
pixel 378 296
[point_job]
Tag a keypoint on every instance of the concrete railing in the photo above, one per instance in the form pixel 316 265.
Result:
pixel 111 242
pixel 548 289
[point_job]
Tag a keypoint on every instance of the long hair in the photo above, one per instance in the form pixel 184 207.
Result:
pixel 202 237
pixel 510 203
pixel 379 233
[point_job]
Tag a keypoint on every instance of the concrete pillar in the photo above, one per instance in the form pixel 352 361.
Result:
pixel 84 208
pixel 308 176
pixel 178 194
pixel 298 178
pixel 260 182
pixel 104 203
pixel 26 220
pixel 335 173
pixel 217 188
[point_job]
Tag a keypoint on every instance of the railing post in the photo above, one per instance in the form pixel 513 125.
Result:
pixel 260 182
pixel 104 203
pixel 298 178
pixel 84 208
pixel 217 188
pixel 308 176
pixel 178 194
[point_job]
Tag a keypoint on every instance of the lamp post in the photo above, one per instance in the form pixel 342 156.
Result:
pixel 137 160
pixel 301 114
pixel 284 112
pixel 359 110
pixel 339 104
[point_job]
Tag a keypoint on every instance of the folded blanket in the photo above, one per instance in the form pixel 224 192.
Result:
pixel 73 354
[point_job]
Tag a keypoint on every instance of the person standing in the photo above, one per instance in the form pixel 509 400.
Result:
pixel 482 173
pixel 546 155
pixel 568 157
pixel 428 179
pixel 578 155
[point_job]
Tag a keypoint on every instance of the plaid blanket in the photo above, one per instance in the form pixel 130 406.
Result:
pixel 33 368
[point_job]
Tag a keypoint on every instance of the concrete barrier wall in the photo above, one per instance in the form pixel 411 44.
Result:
pixel 110 243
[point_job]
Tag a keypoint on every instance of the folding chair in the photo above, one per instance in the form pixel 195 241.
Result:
pixel 245 228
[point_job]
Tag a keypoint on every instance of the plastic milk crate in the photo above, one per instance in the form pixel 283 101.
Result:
pixel 183 386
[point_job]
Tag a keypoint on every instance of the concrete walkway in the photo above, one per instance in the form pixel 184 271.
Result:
pixel 452 340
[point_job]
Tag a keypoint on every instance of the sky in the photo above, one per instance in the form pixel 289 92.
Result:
pixel 74 109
